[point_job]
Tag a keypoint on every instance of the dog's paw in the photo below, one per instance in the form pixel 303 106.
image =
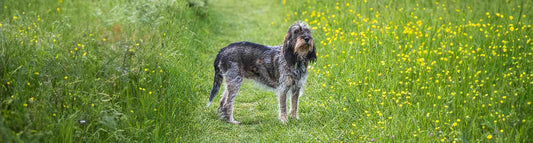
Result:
pixel 283 119
pixel 234 122
pixel 219 110
pixel 295 117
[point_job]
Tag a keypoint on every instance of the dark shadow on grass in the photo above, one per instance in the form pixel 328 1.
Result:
pixel 214 116
pixel 252 122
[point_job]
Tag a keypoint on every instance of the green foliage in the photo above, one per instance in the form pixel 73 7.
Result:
pixel 120 71
pixel 200 7
pixel 107 71
pixel 422 71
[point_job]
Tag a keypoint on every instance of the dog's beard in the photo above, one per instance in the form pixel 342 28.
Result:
pixel 302 48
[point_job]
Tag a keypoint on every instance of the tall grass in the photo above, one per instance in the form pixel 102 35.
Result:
pixel 422 71
pixel 119 71
pixel 96 71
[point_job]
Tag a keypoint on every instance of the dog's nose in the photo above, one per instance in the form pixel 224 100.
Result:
pixel 306 39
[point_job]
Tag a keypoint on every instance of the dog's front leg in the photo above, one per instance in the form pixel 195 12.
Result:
pixel 287 83
pixel 294 102
pixel 282 100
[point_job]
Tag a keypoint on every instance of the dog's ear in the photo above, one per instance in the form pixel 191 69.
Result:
pixel 311 56
pixel 288 49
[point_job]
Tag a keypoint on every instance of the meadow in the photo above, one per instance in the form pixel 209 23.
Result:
pixel 387 71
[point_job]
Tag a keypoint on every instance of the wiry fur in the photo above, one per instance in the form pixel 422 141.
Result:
pixel 281 67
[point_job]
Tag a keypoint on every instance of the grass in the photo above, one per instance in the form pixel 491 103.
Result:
pixel 119 71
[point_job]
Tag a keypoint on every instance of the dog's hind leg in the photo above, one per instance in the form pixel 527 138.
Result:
pixel 233 89
pixel 233 85
pixel 222 100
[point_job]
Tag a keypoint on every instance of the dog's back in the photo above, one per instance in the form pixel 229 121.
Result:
pixel 243 51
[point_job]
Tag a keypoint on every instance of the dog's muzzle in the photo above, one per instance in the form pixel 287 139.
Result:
pixel 307 40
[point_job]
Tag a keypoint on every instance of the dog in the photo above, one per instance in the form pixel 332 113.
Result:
pixel 283 68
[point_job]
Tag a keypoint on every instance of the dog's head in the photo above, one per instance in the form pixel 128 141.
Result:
pixel 299 44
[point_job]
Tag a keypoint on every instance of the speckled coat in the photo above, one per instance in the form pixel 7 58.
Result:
pixel 283 68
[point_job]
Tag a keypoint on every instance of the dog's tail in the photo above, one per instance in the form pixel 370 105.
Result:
pixel 217 80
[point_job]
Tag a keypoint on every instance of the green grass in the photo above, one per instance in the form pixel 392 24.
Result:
pixel 386 71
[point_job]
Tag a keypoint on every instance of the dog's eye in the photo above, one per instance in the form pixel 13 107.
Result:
pixel 297 31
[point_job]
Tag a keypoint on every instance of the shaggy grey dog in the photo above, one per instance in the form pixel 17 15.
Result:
pixel 283 68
